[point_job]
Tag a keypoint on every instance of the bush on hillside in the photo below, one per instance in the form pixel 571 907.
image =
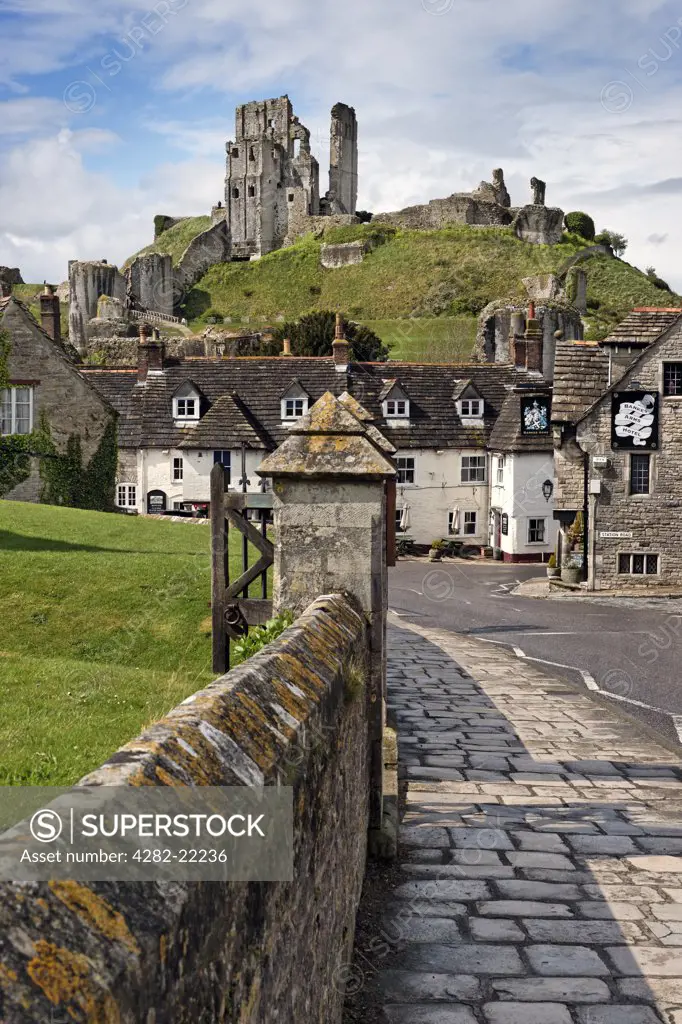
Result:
pixel 617 242
pixel 581 224
pixel 313 335
pixel 364 216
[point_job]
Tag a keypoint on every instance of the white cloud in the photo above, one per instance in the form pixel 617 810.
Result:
pixel 540 89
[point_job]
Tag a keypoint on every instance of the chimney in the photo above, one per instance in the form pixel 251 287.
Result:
pixel 533 341
pixel 286 347
pixel 50 317
pixel 150 353
pixel 517 342
pixel 340 346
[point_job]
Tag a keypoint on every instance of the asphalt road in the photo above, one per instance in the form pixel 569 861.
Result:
pixel 630 649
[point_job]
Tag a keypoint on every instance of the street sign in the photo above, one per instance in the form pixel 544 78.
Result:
pixel 615 534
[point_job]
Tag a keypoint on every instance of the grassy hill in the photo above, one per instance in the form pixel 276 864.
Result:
pixel 108 629
pixel 421 290
pixel 176 239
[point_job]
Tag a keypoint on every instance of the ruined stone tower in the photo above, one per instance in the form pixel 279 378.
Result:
pixel 272 186
pixel 343 160
pixel 271 174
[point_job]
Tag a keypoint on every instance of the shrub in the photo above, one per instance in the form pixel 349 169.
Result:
pixel 212 316
pixel 364 216
pixel 617 242
pixel 581 224
pixel 313 335
pixel 259 636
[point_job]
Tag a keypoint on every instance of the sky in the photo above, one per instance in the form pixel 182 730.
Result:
pixel 116 110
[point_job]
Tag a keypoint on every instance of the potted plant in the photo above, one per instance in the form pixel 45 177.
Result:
pixel 436 551
pixel 553 570
pixel 571 571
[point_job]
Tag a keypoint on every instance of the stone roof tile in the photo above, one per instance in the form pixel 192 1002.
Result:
pixel 581 375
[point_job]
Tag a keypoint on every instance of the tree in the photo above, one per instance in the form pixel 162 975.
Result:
pixel 580 224
pixel 313 334
pixel 617 242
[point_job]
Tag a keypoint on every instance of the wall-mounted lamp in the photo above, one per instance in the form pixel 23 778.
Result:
pixel 548 489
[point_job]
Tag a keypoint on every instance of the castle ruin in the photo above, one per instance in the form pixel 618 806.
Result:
pixel 272 184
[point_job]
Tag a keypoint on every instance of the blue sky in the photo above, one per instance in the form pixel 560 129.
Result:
pixel 111 112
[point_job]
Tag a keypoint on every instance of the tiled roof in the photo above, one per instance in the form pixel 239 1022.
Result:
pixel 643 325
pixel 146 410
pixel 507 435
pixel 227 417
pixel 581 375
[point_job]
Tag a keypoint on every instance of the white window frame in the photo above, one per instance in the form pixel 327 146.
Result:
pixel 469 518
pixel 12 392
pixel 397 409
pixel 398 519
pixel 289 412
pixel 501 462
pixel 467 468
pixel 404 469
pixel 178 469
pixel 129 495
pixel 537 519
pixel 180 413
pixel 466 408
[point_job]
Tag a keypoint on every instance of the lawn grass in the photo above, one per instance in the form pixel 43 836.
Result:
pixel 106 628
pixel 428 339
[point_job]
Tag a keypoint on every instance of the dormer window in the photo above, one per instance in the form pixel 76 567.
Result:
pixel 186 404
pixel 294 402
pixel 395 402
pixel 294 408
pixel 471 408
pixel 396 408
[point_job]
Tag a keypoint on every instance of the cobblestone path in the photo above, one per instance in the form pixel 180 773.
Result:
pixel 541 849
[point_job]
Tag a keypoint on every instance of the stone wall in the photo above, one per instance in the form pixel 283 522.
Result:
pixel 68 401
pixel 541 225
pixel 210 247
pixel 150 278
pixel 239 953
pixel 344 254
pixel 650 518
pixel 87 282
pixel 494 329
pixel 9 276
pixel 460 208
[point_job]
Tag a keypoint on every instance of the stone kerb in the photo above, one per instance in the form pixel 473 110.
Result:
pixel 234 952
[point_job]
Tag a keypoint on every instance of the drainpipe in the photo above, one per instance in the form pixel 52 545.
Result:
pixel 586 518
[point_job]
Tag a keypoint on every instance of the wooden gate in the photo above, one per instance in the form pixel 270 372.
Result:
pixel 232 610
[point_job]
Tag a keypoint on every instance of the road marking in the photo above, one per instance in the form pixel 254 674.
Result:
pixel 589 680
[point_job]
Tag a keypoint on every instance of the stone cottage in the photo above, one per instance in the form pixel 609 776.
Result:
pixel 617 420
pixel 45 384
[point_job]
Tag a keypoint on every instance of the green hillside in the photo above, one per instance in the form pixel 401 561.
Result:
pixel 420 290
pixel 176 239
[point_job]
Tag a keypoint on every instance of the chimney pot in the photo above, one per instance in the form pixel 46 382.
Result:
pixel 533 341
pixel 150 355
pixel 50 314
pixel 286 347
pixel 340 346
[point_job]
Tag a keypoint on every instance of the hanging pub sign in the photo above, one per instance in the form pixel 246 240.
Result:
pixel 505 524
pixel 156 502
pixel 634 420
pixel 535 415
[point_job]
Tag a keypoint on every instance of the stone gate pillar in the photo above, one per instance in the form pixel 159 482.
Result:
pixel 330 526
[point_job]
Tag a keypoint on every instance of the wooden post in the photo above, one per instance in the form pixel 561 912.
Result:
pixel 220 572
